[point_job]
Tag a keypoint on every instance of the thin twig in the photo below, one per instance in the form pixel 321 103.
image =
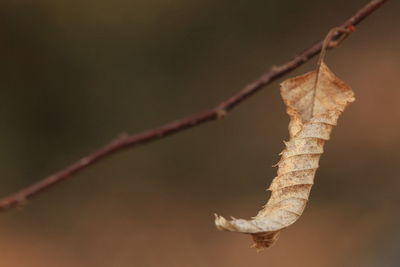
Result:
pixel 129 141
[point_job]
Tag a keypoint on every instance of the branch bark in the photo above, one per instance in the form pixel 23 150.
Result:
pixel 129 141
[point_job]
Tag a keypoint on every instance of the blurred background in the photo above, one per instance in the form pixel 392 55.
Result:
pixel 75 74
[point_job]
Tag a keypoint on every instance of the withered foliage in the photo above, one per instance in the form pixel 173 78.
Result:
pixel 314 103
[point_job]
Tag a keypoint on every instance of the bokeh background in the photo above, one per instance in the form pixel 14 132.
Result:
pixel 75 74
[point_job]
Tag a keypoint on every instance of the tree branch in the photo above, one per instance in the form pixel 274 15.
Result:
pixel 129 141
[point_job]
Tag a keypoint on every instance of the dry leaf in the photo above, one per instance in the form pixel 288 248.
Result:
pixel 314 102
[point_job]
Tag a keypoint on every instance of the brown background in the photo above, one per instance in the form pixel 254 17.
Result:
pixel 76 73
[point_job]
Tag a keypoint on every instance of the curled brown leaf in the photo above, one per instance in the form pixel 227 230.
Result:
pixel 314 102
